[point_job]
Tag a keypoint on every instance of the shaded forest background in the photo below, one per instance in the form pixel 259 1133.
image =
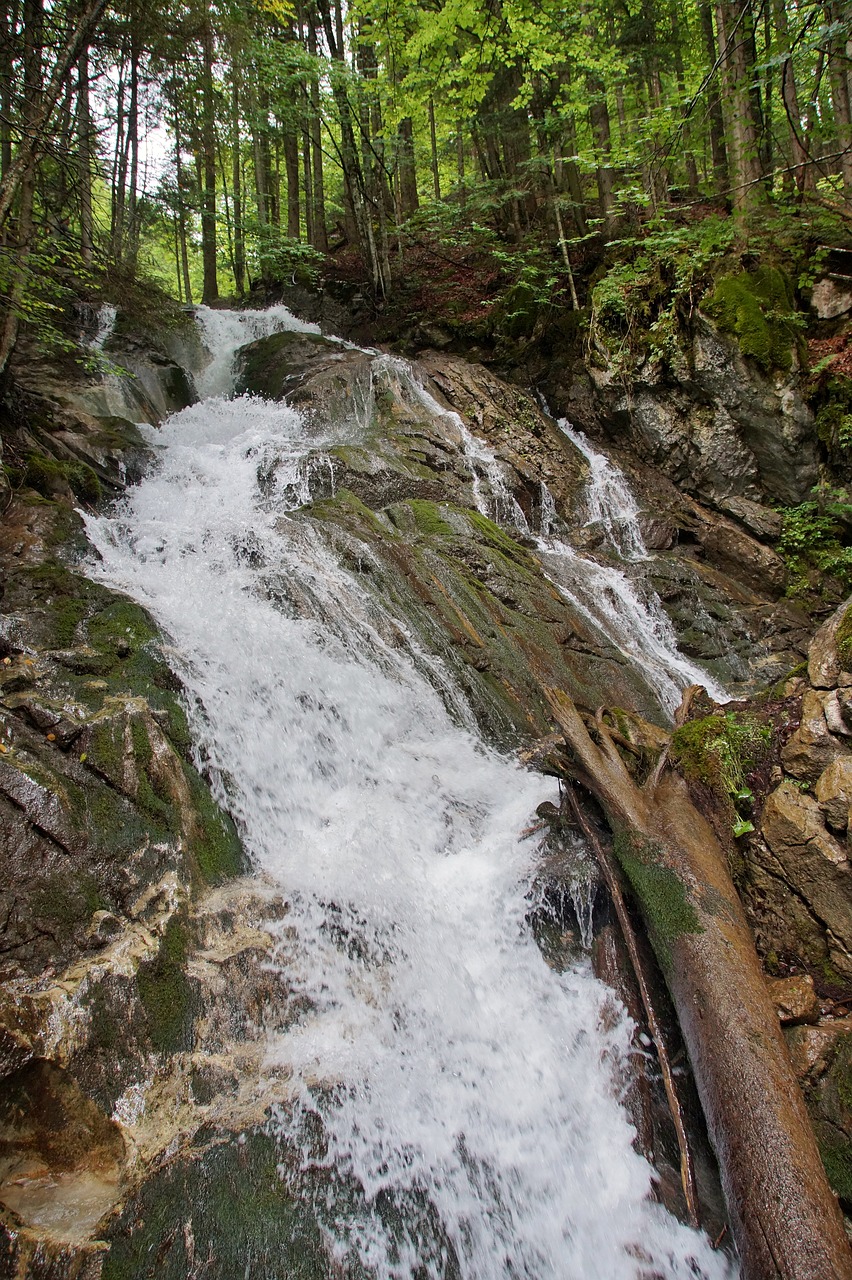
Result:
pixel 477 162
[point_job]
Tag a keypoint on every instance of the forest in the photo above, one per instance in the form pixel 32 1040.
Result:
pixel 468 159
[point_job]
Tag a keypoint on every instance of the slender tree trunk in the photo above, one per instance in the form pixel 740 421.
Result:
pixel 133 148
pixel 210 291
pixel 32 143
pixel 735 47
pixel 796 154
pixel 320 234
pixel 84 152
pixel 291 162
pixel 237 184
pixel 840 100
pixel 352 172
pixel 8 43
pixel 688 155
pixel 599 120
pixel 714 102
pixel 119 170
pixel 33 15
pixel 408 198
pixel 181 187
pixel 433 138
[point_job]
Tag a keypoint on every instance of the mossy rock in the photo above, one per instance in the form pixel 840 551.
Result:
pixel 843 640
pixel 241 1213
pixel 51 477
pixel 758 309
pixel 166 992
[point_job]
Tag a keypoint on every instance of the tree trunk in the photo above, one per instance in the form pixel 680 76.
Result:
pixel 714 102
pixel 237 185
pixel 291 163
pixel 210 290
pixel 8 42
pixel 181 186
pixel 797 156
pixel 84 153
pixel 33 141
pixel 737 62
pixel 840 101
pixel 132 239
pixel 433 140
pixel 408 197
pixel 786 1222
pixel 320 237
pixel 33 16
pixel 599 119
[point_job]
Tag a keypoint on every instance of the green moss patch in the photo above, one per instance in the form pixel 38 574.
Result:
pixel 719 751
pixel 757 308
pixel 166 992
pixel 242 1215
pixel 843 640
pixel 665 905
pixel 50 476
pixel 429 519
pixel 836 1156
pixel 216 851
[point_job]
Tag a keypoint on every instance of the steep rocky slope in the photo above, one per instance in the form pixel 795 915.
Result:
pixel 133 942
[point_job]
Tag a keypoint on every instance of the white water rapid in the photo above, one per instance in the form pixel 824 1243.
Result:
pixel 452 1101
pixel 621 606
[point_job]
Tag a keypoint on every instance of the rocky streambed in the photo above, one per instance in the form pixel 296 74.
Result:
pixel 145 954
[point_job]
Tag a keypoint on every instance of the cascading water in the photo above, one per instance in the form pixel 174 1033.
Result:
pixel 609 502
pixel 451 1099
pixel 626 611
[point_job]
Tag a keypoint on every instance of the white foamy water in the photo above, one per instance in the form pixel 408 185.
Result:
pixel 452 1098
pixel 621 606
pixel 609 500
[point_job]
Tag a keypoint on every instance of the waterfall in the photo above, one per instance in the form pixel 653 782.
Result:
pixel 622 607
pixel 451 1105
pixel 106 323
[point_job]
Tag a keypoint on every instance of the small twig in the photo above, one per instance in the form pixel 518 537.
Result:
pixel 613 884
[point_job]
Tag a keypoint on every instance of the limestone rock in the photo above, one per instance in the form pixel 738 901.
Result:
pixel 795 999
pixel 834 793
pixel 836 713
pixel 811 1048
pixel 831 298
pixel 812 748
pixel 824 662
pixel 761 521
pixel 812 862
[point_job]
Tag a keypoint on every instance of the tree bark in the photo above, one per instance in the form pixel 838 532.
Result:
pixel 785 1220
pixel 84 152
pixel 743 132
pixel 32 143
pixel 714 102
pixel 210 290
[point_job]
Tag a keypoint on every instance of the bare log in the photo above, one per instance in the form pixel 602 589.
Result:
pixel 785 1219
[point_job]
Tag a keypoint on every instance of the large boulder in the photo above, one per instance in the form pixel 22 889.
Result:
pixel 813 865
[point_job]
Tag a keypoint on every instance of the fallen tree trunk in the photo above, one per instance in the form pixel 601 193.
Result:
pixel 784 1217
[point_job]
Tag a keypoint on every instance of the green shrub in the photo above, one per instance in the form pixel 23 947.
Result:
pixel 815 537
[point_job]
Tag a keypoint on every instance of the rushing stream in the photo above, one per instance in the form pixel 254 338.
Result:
pixel 452 1101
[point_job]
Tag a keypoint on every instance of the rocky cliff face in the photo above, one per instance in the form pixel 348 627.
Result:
pixel 719 428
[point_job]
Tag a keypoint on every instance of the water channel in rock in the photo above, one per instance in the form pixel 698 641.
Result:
pixel 452 1105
